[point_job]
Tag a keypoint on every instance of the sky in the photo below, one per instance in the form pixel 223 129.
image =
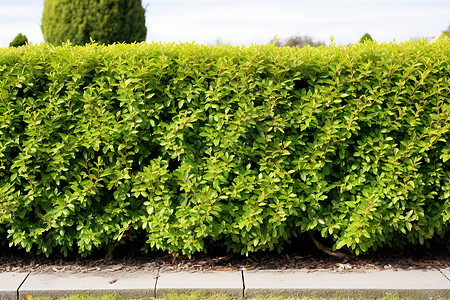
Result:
pixel 246 22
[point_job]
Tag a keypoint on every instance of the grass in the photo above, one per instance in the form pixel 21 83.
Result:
pixel 200 296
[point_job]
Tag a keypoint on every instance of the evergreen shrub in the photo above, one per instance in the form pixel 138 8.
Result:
pixel 250 146
pixel 19 40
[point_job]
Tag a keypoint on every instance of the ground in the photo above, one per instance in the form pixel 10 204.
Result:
pixel 308 257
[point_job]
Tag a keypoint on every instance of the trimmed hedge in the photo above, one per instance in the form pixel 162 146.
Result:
pixel 187 144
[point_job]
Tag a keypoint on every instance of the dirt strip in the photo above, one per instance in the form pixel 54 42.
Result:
pixel 311 259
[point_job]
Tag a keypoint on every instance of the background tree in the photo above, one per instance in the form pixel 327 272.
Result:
pixel 105 21
pixel 445 33
pixel 275 42
pixel 297 41
pixel 19 40
pixel 366 37
pixel 219 42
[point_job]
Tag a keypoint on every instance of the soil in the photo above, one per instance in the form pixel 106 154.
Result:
pixel 309 257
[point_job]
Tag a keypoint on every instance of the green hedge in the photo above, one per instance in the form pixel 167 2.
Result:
pixel 250 146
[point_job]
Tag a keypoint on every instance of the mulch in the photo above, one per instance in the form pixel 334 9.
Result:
pixel 309 258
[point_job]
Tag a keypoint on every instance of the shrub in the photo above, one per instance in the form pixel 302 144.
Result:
pixel 19 40
pixel 185 144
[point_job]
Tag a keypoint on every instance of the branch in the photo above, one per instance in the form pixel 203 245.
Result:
pixel 328 251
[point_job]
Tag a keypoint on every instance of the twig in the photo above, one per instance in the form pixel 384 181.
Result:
pixel 328 250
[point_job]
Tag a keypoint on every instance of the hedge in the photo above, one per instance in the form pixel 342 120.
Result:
pixel 185 145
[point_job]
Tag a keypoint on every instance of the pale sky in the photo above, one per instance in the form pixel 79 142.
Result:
pixel 243 22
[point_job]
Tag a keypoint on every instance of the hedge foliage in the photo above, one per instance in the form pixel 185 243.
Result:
pixel 250 146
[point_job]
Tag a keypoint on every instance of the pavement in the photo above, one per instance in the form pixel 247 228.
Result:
pixel 369 284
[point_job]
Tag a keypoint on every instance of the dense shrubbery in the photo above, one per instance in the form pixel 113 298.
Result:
pixel 250 146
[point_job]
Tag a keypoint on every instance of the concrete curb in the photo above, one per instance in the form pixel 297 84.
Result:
pixel 369 284
pixel 61 285
pixel 430 284
pixel 10 284
pixel 226 283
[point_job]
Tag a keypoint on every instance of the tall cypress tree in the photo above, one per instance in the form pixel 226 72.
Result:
pixel 105 21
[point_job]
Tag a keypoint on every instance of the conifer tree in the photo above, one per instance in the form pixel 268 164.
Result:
pixel 104 21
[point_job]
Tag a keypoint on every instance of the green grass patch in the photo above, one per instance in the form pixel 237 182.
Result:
pixel 201 296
